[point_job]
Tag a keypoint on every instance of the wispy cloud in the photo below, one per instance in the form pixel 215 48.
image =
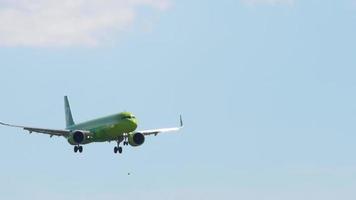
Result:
pixel 269 2
pixel 68 22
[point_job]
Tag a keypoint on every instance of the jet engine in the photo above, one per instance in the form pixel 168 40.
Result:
pixel 78 137
pixel 136 139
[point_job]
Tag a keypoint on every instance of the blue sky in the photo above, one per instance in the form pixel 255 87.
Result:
pixel 266 89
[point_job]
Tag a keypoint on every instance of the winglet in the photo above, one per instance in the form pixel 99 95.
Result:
pixel 181 121
pixel 5 124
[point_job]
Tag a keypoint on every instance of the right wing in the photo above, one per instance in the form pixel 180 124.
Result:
pixel 50 132
pixel 162 130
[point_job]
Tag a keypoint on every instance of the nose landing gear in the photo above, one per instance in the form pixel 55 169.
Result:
pixel 126 143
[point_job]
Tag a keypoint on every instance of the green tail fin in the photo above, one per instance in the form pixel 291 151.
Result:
pixel 68 113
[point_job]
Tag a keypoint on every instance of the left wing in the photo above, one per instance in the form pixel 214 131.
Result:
pixel 162 130
pixel 50 132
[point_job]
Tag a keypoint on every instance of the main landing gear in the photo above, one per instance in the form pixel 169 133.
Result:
pixel 78 148
pixel 124 138
pixel 117 149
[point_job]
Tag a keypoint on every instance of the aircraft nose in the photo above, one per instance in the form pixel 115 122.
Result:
pixel 133 124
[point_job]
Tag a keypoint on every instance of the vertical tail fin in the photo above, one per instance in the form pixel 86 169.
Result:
pixel 68 113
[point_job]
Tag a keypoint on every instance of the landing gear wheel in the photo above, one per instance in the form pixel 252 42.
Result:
pixel 115 149
pixel 120 149
pixel 78 148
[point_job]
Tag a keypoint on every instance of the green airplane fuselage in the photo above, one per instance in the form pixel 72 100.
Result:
pixel 110 128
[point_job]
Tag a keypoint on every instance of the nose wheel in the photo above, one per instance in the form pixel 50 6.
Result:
pixel 78 148
pixel 126 142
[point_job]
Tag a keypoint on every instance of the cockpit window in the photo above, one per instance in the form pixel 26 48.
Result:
pixel 128 117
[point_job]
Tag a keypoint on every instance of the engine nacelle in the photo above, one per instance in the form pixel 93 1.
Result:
pixel 136 139
pixel 77 137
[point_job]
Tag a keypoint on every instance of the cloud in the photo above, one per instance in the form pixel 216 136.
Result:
pixel 68 22
pixel 268 2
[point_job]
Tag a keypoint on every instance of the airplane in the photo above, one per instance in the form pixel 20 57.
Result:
pixel 119 127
